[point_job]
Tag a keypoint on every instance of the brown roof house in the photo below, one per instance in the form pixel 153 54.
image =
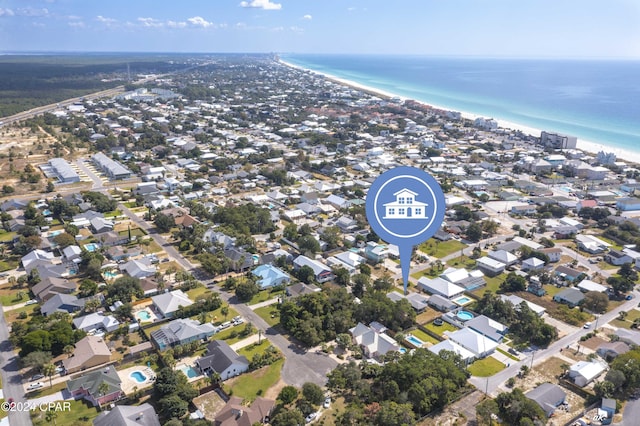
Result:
pixel 235 414
pixel 89 352
pixel 50 286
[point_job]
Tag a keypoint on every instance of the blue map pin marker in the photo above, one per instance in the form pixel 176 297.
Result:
pixel 405 206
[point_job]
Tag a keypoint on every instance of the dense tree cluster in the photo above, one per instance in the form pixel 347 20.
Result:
pixel 173 393
pixel 625 280
pixel 524 324
pixel 398 392
pixel 45 334
pixel 514 408
pixel 245 219
pixel 101 202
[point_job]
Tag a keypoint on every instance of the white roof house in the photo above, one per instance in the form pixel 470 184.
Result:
pixel 454 275
pixel 585 372
pixel 440 286
pixel 168 303
pixel 35 255
pixel 588 285
pixel 491 266
pixel 95 321
pixel 347 259
pixel 503 256
pixel 449 345
pixel 532 264
pixel 480 345
pixel 375 344
pixel 591 244
pixel 517 300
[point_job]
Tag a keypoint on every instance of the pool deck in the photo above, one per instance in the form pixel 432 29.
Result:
pixel 152 315
pixel 128 383
pixel 188 361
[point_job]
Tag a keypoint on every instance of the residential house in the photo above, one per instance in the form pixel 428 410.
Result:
pixel 298 289
pixel 270 276
pixel 236 414
pixel 491 266
pixel 607 410
pixel 487 327
pixel 568 274
pixel 140 268
pixel 28 259
pixel 532 264
pixel 62 303
pixel 473 341
pixel 72 253
pixel 468 280
pixel 337 202
pixel 618 258
pixel 588 285
pixel 346 224
pixel 118 253
pixel 100 225
pixel 440 287
pixel 449 345
pixel 548 396
pixel 517 300
pixel 374 344
pixel 111 238
pixel 564 232
pixel 418 301
pixel 553 253
pixel 376 252
pixel 128 415
pixel 591 244
pixel 504 257
pixel 347 260
pixel 441 303
pixel 630 337
pixel 584 372
pixel 569 296
pixel 181 331
pixel 610 350
pixel 239 260
pixel 322 273
pixel 523 209
pixel 90 387
pixel 90 351
pixel 628 204
pixel 96 321
pixel 222 360
pixel 166 304
pixel 50 286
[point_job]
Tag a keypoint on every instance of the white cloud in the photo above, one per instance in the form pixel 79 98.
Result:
pixel 307 17
pixel 150 22
pixel 77 24
pixel 176 24
pixel 6 12
pixel 199 21
pixel 104 20
pixel 296 29
pixel 261 4
pixel 30 11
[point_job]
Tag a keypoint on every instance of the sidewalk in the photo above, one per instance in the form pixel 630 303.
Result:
pixel 265 303
pixel 246 342
pixel 12 307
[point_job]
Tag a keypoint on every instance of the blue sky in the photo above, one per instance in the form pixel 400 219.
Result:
pixel 512 28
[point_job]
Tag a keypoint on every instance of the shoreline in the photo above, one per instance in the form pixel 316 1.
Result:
pixel 586 146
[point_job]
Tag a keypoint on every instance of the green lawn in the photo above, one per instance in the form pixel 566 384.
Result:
pixel 263 296
pixel 5 236
pixel 130 204
pixel 198 291
pixel 441 249
pixel 135 232
pixel 251 350
pixel 13 314
pixel 440 329
pixel 47 390
pixel 81 414
pixel 621 324
pixel 251 385
pixel 485 367
pixel 270 314
pixel 9 297
pixel 493 284
pixel 462 261
pixel 552 290
pixel 505 353
pixel 633 314
pixel 113 213
pixel 424 336
pixel 9 264
pixel 232 334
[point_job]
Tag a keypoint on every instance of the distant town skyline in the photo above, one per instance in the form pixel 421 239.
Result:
pixel 497 28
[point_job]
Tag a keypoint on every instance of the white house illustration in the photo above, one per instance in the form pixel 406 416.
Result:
pixel 405 206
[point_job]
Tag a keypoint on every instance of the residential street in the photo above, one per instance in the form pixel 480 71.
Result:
pixel 300 366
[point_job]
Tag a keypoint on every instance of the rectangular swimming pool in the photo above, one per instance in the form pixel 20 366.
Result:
pixel 414 340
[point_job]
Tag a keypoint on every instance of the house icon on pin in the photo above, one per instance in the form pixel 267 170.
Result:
pixel 405 206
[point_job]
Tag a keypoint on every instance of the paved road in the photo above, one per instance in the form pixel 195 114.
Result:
pixel 631 413
pixel 98 185
pixel 493 383
pixel 11 377
pixel 300 366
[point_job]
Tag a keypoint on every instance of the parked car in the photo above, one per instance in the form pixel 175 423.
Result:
pixel 31 302
pixel 225 325
pixel 587 325
pixel 629 297
pixel 327 402
pixel 36 377
pixel 310 417
pixel 34 386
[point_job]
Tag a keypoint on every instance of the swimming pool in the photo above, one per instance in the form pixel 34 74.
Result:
pixel 143 315
pixel 402 350
pixel 138 376
pixel 110 274
pixel 73 271
pixel 91 247
pixel 464 316
pixel 188 371
pixel 414 340
pixel 462 300
pixel 55 233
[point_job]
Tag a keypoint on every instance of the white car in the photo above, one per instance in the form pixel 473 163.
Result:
pixel 327 402
pixel 587 325
pixel 310 417
pixel 34 386
pixel 31 302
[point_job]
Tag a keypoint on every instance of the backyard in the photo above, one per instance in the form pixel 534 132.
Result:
pixel 485 367
pixel 81 414
pixel 440 329
pixel 441 249
pixel 251 385
pixel 270 314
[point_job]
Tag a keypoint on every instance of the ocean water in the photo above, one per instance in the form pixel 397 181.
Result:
pixel 597 101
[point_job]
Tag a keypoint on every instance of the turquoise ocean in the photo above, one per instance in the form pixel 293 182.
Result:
pixel 595 100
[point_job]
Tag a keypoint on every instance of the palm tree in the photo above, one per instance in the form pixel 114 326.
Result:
pixel 68 350
pixel 49 370
pixel 51 416
pixel 225 311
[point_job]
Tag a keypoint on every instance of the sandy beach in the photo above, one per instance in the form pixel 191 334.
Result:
pixel 587 146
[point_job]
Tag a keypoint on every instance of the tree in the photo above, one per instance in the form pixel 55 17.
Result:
pixel 164 223
pixel 604 389
pixel 36 360
pixel 288 394
pixel 173 406
pixel 308 243
pixel 513 282
pixel 516 409
pixel 343 277
pixel 64 240
pixel 246 289
pixel 51 416
pixel 306 274
pixel 288 418
pixel 88 288
pixel 626 271
pixel 391 414
pixel 50 187
pixel 474 232
pixel 37 340
pixel 49 370
pixel 312 393
pixel 168 381
pixel 596 302
pixel 620 284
